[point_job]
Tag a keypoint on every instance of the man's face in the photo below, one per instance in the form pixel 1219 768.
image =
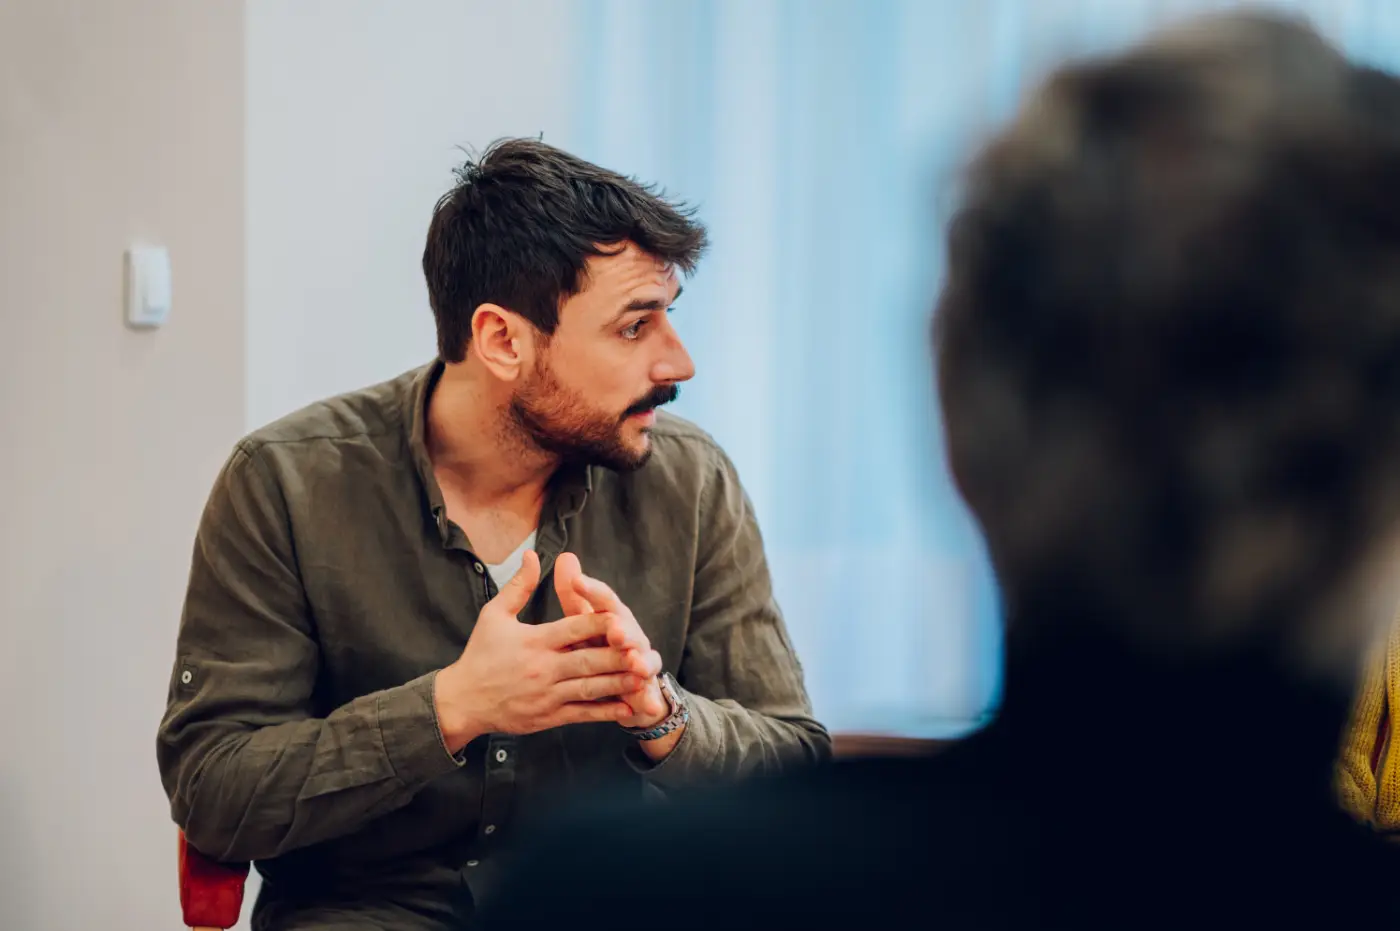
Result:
pixel 613 359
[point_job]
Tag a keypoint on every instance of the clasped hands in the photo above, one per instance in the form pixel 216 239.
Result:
pixel 594 664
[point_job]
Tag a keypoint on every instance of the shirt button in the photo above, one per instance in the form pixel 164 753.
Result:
pixel 186 677
pixel 500 756
pixel 490 829
pixel 473 863
pixel 479 568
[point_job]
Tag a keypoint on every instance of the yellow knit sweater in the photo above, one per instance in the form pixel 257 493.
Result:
pixel 1372 795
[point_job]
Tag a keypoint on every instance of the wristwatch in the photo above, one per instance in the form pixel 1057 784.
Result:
pixel 678 716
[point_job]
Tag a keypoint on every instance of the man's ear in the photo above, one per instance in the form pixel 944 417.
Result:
pixel 501 339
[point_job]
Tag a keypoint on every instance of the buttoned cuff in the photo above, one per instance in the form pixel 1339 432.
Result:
pixel 409 730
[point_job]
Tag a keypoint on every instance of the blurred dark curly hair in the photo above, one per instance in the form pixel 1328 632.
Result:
pixel 1168 345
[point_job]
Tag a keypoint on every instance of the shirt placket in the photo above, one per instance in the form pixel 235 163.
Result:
pixel 498 781
pixel 502 750
pixel 498 785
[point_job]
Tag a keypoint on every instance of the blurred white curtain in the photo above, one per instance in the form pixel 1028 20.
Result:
pixel 820 139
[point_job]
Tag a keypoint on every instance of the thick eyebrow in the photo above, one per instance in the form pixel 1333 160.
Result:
pixel 653 305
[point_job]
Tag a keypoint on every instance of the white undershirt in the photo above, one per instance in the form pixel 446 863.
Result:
pixel 504 571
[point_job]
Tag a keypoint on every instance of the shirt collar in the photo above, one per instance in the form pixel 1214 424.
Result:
pixel 416 417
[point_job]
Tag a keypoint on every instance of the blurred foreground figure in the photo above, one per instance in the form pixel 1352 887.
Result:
pixel 1169 363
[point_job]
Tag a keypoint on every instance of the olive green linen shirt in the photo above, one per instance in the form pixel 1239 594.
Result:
pixel 327 587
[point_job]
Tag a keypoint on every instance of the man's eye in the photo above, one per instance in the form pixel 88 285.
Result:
pixel 635 330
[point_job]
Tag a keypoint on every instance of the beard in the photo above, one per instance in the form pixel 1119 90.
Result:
pixel 561 423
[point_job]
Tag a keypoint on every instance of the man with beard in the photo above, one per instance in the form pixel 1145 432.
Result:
pixel 372 684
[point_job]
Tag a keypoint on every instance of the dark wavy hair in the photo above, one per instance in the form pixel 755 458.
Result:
pixel 1168 344
pixel 521 222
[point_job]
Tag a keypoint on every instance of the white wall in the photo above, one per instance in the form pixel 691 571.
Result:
pixel 118 122
pixel 356 110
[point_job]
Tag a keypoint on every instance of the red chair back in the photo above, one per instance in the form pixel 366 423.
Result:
pixel 211 894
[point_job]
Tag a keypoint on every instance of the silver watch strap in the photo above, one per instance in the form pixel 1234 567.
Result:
pixel 679 716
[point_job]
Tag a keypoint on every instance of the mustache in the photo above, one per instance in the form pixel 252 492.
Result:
pixel 656 397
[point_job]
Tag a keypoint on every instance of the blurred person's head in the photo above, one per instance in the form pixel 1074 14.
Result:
pixel 1169 346
pixel 552 278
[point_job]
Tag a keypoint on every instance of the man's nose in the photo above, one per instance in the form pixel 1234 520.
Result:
pixel 675 364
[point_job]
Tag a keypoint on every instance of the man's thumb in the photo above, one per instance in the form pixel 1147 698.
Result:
pixel 515 594
pixel 567 573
